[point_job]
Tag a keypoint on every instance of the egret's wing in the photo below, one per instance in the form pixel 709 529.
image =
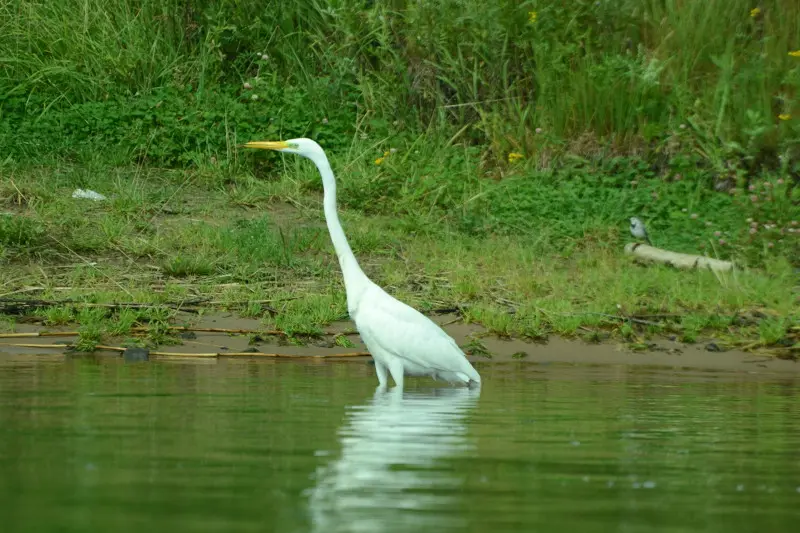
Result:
pixel 407 333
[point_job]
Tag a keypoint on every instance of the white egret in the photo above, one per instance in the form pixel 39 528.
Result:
pixel 401 340
pixel 639 231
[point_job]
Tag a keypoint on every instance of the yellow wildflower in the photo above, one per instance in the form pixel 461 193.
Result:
pixel 756 11
pixel 795 53
pixel 384 156
pixel 532 16
pixel 784 116
pixel 513 157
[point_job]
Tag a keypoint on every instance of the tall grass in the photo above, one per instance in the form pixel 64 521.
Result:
pixel 80 50
pixel 620 74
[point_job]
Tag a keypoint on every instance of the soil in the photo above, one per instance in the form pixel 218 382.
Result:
pixel 662 353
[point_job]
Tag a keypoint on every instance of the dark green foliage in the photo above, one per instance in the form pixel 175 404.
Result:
pixel 169 126
pixel 658 109
pixel 165 79
pixel 684 215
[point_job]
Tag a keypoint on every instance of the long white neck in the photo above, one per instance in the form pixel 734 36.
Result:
pixel 354 278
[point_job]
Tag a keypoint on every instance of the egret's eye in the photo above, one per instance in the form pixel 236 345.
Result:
pixel 293 146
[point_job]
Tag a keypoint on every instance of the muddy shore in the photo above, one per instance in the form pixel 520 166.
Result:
pixel 663 353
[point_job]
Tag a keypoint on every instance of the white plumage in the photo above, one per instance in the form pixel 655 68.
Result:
pixel 402 340
pixel 387 475
pixel 639 231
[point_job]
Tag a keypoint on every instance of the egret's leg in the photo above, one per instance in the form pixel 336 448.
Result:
pixel 379 394
pixel 380 369
pixel 395 395
pixel 397 371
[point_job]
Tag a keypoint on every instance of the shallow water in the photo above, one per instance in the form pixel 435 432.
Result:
pixel 235 445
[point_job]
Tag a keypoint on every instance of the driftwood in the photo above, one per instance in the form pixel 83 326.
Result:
pixel 142 329
pixel 100 347
pixel 39 334
pixel 15 306
pixel 19 306
pixel 657 255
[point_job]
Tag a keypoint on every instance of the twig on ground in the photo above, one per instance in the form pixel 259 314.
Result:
pixel 145 329
pixel 190 354
pixel 33 334
pixel 15 305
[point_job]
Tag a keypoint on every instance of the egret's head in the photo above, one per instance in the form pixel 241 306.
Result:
pixel 304 147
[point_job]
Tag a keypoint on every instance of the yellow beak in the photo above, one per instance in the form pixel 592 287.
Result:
pixel 267 145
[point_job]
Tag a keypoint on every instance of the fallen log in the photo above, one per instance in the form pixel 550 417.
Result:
pixel 675 259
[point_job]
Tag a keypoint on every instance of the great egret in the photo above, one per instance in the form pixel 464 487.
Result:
pixel 402 340
pixel 639 231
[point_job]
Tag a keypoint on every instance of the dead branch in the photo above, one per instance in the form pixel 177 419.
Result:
pixel 145 329
pixel 675 259
pixel 38 334
pixel 15 306
pixel 190 354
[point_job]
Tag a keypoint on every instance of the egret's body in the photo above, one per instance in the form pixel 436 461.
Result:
pixel 639 231
pixel 402 340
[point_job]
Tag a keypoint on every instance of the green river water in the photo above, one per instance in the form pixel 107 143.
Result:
pixel 239 446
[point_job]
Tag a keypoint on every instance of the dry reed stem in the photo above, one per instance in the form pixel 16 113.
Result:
pixel 189 354
pixel 38 334
pixel 143 329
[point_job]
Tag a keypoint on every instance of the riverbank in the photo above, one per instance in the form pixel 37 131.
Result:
pixel 225 336
pixel 255 244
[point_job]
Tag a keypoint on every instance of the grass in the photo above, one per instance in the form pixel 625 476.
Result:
pixel 256 243
pixel 193 79
pixel 490 157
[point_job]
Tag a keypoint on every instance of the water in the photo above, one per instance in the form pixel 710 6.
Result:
pixel 239 446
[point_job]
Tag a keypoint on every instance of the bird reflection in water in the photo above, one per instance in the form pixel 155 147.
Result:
pixel 393 473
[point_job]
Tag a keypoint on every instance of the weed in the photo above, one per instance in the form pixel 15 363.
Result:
pixel 124 320
pixel 253 310
pixel 772 330
pixel 305 315
pixel 692 325
pixel 56 316
pixel 183 266
pixel 89 336
pixel 18 231
pixel 495 320
pixel 7 324
pixel 627 332
pixel 343 341
pixel 476 347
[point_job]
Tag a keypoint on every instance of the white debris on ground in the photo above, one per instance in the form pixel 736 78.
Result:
pixel 88 194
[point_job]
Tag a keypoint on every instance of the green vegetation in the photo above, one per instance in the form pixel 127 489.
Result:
pixel 489 156
pixel 175 81
pixel 242 247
